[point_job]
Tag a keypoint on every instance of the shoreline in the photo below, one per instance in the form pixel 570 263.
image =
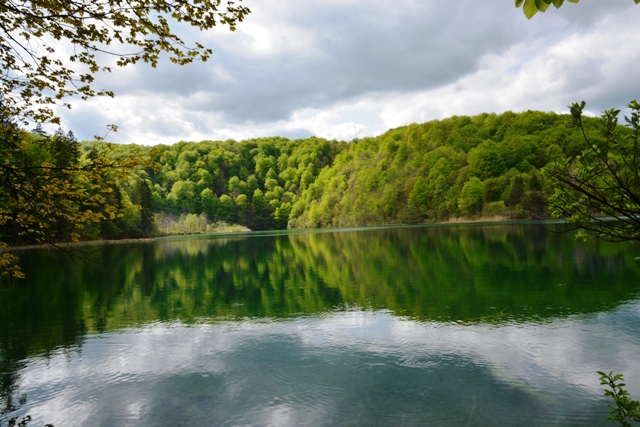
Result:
pixel 450 221
pixel 72 244
pixel 107 242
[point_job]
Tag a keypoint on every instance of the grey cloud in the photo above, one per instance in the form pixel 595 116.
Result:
pixel 588 12
pixel 362 49
pixel 358 48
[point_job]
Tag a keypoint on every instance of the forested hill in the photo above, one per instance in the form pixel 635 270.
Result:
pixel 460 167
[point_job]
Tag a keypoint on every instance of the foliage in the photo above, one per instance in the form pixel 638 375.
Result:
pixel 625 408
pixel 34 76
pixel 599 189
pixel 470 202
pixel 531 7
pixel 458 167
pixel 254 183
pixel 445 169
pixel 49 194
pixel 417 173
pixel 193 224
pixel 436 171
pixel 141 197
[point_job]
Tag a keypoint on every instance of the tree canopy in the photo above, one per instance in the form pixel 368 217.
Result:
pixel 531 7
pixel 598 190
pixel 49 192
pixel 461 167
pixel 34 76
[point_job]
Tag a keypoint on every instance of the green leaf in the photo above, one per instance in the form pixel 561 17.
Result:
pixel 558 3
pixel 576 1
pixel 530 8
pixel 519 2
pixel 542 5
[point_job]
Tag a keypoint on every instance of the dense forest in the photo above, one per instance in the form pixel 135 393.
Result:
pixel 460 168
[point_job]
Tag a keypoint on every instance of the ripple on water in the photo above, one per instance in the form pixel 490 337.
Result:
pixel 320 372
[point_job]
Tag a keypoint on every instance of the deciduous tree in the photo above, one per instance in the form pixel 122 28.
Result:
pixel 34 76
pixel 599 190
pixel 46 197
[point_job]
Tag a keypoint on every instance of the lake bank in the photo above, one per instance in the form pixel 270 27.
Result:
pixel 110 241
pixel 489 220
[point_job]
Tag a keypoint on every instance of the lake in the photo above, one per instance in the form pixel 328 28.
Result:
pixel 494 325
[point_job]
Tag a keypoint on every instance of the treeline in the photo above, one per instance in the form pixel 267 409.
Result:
pixel 254 183
pixel 52 190
pixel 460 167
pixel 456 168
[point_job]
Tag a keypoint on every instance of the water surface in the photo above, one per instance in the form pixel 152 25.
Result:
pixel 417 326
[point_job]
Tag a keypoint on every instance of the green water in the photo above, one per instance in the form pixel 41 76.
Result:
pixel 418 326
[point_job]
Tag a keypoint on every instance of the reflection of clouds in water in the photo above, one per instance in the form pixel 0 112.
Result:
pixel 570 350
pixel 270 371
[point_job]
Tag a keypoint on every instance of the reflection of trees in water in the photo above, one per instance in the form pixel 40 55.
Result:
pixel 436 273
pixel 11 361
pixel 14 351
pixel 464 273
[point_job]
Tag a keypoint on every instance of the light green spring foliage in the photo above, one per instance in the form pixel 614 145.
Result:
pixel 254 183
pixel 531 7
pixel 461 167
pixel 457 168
pixel 602 182
pixel 35 78
pixel 625 409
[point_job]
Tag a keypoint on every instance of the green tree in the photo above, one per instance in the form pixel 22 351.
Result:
pixel 515 191
pixel 33 77
pixel 44 202
pixel 261 211
pixel 598 190
pixel 226 209
pixel 485 161
pixel 209 203
pixel 493 188
pixel 142 197
pixel 64 149
pixel 419 197
pixel 242 205
pixel 182 197
pixel 470 202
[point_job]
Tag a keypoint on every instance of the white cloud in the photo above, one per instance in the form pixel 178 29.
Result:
pixel 344 69
pixel 274 373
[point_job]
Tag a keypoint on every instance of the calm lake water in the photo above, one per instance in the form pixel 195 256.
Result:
pixel 497 325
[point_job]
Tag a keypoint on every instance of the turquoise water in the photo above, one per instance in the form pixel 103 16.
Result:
pixel 418 326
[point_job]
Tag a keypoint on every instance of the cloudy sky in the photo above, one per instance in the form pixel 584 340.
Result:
pixel 352 68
